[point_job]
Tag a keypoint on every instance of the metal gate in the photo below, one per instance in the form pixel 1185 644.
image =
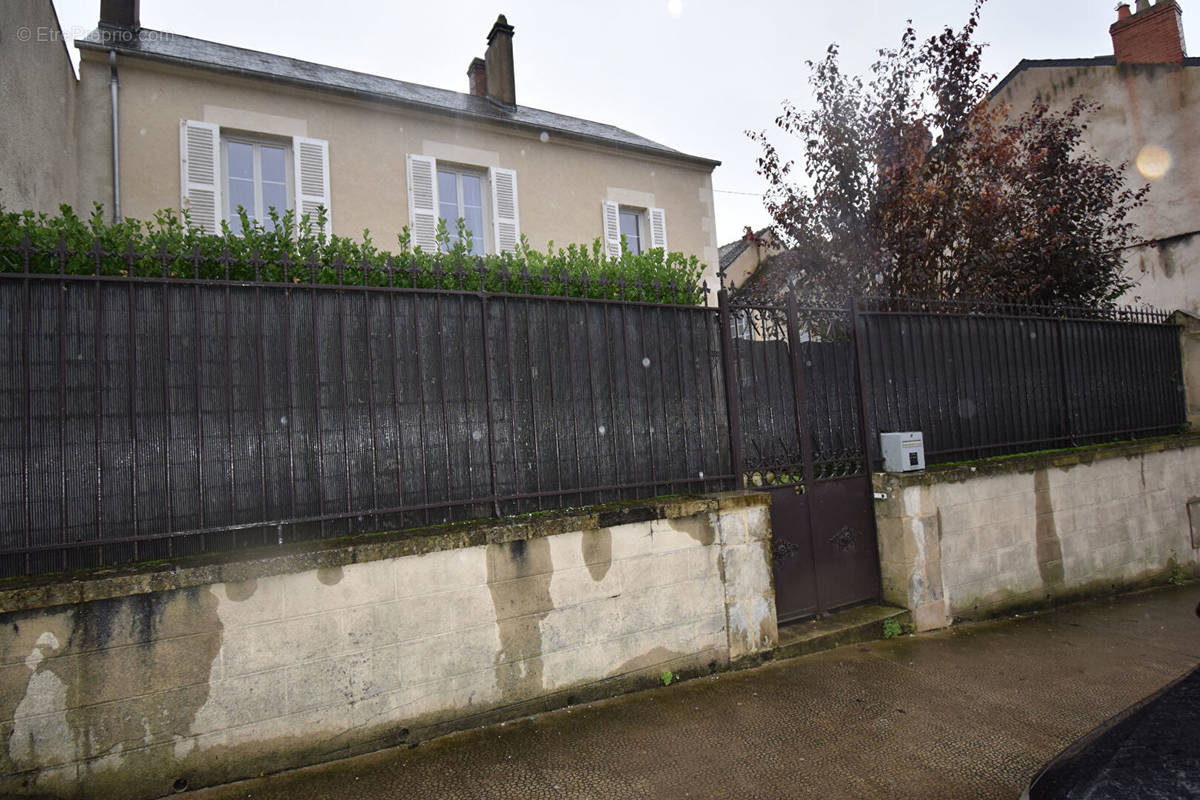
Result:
pixel 796 429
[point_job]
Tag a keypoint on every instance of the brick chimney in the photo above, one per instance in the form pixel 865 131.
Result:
pixel 1150 35
pixel 499 59
pixel 121 14
pixel 477 77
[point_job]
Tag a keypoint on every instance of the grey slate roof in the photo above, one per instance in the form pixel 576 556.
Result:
pixel 730 252
pixel 185 50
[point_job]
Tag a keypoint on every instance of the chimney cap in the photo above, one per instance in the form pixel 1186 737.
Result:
pixel 500 26
pixel 122 14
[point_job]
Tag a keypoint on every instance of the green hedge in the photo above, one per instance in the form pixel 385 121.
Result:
pixel 169 245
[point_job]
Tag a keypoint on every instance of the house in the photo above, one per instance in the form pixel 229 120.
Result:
pixel 169 121
pixel 739 259
pixel 1150 95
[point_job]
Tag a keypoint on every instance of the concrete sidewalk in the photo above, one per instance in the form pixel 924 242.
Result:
pixel 970 712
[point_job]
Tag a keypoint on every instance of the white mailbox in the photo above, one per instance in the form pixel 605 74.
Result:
pixel 903 451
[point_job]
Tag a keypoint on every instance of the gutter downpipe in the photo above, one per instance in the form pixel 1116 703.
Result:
pixel 116 150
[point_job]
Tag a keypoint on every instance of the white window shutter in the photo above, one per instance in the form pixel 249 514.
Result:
pixel 506 217
pixel 200 173
pixel 423 202
pixel 311 158
pixel 612 229
pixel 658 227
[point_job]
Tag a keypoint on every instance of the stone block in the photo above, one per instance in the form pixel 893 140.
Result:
pixel 273 645
pixel 758 524
pixel 662 568
pixel 251 601
pixel 931 616
pixel 676 534
pixel 575 586
pixel 747 569
pixel 522 596
pixel 470 606
pixel 732 527
pixel 366 627
pixel 328 588
pixel 416 576
pixel 233 702
pixel 332 682
pixel 631 540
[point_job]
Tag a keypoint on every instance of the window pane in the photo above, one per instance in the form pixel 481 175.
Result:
pixel 448 195
pixel 274 195
pixel 273 164
pixel 241 193
pixel 472 188
pixel 629 227
pixel 241 162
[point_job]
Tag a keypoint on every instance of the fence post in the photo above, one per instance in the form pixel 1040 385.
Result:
pixel 487 384
pixel 800 389
pixel 858 330
pixel 729 369
pixel 1060 328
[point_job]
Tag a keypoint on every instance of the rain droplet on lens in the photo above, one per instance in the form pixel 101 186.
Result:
pixel 645 361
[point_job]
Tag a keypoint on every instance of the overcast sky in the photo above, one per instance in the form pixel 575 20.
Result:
pixel 691 74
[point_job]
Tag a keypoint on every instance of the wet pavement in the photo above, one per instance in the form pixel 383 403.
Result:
pixel 971 712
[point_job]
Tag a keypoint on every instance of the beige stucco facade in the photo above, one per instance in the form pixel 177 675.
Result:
pixel 1144 106
pixel 37 161
pixel 561 181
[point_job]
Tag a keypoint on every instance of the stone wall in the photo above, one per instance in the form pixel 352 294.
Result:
pixel 974 541
pixel 136 684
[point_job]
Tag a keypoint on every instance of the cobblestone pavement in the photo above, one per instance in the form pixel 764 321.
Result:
pixel 970 712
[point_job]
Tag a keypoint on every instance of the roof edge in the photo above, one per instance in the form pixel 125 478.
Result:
pixel 1053 63
pixel 125 48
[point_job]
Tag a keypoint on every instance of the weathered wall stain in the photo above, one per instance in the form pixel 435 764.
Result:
pixel 330 576
pixel 242 590
pixel 1049 546
pixel 597 552
pixel 651 658
pixel 518 577
pixel 91 689
pixel 697 527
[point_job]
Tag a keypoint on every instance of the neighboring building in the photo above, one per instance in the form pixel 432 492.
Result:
pixel 209 127
pixel 37 161
pixel 739 259
pixel 1150 93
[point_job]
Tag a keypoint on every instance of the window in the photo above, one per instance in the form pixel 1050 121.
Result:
pixel 631 226
pixel 643 228
pixel 460 195
pixel 486 199
pixel 220 170
pixel 257 175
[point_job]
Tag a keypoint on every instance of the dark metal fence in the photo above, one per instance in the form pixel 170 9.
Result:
pixel 150 417
pixel 983 380
pixel 153 416
pixel 769 344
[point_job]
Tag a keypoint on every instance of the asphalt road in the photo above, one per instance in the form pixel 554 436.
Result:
pixel 970 712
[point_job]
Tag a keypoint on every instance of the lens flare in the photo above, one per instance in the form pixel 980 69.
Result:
pixel 1153 161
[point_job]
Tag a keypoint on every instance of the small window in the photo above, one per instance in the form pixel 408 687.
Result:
pixel 258 177
pixel 631 229
pixel 461 194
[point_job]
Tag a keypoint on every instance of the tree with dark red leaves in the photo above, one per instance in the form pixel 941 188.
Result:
pixel 914 183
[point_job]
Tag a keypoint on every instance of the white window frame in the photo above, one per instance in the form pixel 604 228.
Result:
pixel 639 216
pixel 258 213
pixel 485 192
pixel 651 223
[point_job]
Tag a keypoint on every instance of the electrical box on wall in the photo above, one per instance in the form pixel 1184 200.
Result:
pixel 903 451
